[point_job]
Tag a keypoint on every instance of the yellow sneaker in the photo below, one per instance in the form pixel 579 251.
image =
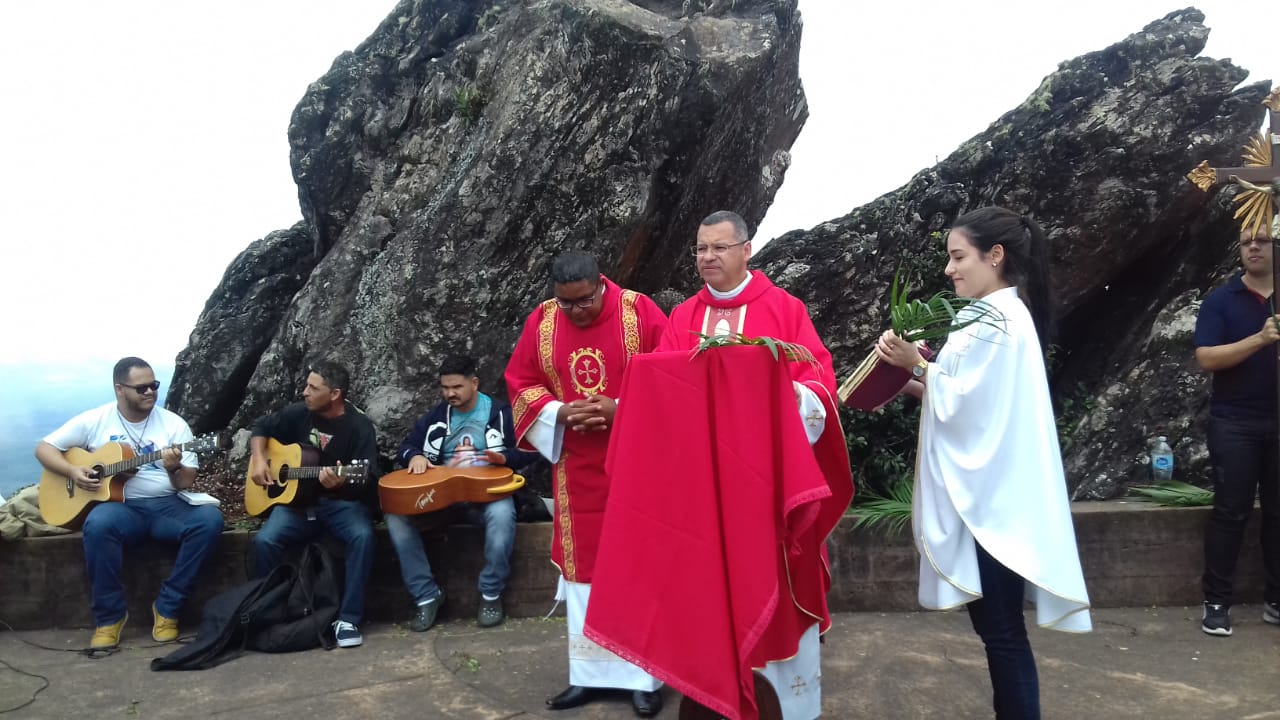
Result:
pixel 107 636
pixel 163 629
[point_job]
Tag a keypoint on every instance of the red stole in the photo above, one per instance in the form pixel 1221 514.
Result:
pixel 557 360
pixel 722 521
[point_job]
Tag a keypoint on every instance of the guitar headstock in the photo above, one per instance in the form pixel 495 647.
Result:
pixel 354 472
pixel 208 442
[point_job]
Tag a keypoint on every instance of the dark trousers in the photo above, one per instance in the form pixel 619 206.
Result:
pixel 347 520
pixel 1243 453
pixel 997 618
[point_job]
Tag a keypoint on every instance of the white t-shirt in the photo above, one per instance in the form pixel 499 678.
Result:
pixel 94 428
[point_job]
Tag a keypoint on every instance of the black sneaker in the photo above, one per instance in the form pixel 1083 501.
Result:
pixel 346 634
pixel 426 616
pixel 491 612
pixel 1271 613
pixel 1217 619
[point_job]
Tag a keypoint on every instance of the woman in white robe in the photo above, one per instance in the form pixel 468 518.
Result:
pixel 991 516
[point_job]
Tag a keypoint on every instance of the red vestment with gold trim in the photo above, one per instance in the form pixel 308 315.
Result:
pixel 557 360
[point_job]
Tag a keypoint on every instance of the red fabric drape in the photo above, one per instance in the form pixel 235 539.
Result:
pixel 711 557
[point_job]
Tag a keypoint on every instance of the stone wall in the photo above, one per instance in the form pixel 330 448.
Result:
pixel 1133 555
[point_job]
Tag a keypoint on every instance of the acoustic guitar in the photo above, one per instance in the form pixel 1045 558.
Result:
pixel 297 477
pixel 439 487
pixel 65 504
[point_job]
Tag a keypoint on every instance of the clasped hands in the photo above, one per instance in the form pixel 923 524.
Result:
pixel 590 414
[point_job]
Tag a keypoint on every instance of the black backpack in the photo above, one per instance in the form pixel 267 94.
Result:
pixel 291 609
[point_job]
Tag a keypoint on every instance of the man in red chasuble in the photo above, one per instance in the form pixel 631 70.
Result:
pixel 563 381
pixel 737 301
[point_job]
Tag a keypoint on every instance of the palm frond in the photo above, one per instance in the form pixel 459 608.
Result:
pixel 939 316
pixel 891 511
pixel 793 352
pixel 1174 493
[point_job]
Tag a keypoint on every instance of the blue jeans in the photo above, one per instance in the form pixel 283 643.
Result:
pixel 347 520
pixel 997 618
pixel 1244 467
pixel 499 521
pixel 112 527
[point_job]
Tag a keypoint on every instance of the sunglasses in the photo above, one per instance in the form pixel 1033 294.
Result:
pixel 144 388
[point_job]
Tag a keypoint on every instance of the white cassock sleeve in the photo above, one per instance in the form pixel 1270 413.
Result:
pixel 545 434
pixel 812 412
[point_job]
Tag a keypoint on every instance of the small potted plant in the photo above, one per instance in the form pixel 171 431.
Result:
pixel 874 383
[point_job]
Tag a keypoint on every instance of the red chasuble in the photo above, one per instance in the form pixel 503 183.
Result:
pixel 735 506
pixel 764 309
pixel 557 360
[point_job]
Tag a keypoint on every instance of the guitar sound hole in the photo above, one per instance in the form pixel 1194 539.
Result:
pixel 276 489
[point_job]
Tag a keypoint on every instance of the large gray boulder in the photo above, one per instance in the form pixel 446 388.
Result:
pixel 1097 154
pixel 448 159
pixel 444 162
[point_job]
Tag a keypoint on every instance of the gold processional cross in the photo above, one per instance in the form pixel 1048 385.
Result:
pixel 1259 179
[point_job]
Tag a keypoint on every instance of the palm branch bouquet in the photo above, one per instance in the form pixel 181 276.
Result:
pixel 874 383
pixel 1174 493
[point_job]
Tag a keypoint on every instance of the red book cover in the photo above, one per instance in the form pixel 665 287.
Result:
pixel 874 383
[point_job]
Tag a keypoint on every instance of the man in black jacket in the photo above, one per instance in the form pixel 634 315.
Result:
pixel 467 428
pixel 341 434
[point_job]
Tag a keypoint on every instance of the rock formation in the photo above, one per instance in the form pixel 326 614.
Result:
pixel 444 162
pixel 1097 155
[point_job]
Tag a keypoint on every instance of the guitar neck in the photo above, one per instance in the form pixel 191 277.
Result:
pixel 138 460
pixel 302 473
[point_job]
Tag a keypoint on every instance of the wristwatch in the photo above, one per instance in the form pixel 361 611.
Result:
pixel 919 369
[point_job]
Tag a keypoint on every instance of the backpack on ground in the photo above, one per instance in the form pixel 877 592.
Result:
pixel 292 608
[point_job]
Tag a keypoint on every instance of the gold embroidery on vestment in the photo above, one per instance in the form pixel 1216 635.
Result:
pixel 547 346
pixel 564 513
pixel 630 323
pixel 586 370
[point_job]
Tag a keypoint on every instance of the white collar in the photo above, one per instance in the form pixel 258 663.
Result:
pixel 729 294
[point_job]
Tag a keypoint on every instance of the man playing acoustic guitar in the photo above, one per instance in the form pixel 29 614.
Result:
pixel 324 420
pixel 468 428
pixel 152 508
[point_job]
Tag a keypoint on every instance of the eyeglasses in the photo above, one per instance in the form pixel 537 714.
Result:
pixel 143 389
pixel 580 303
pixel 716 250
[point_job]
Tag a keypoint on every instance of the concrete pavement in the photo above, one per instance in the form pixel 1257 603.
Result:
pixel 1138 663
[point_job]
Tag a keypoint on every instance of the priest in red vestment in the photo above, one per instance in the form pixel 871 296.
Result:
pixel 563 380
pixel 778 604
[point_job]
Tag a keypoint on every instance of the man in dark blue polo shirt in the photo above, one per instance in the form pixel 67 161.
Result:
pixel 1236 333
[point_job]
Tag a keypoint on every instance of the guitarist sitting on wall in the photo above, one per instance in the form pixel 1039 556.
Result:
pixel 152 508
pixel 341 433
pixel 468 428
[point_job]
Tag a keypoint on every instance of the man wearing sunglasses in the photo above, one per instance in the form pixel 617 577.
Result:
pixel 1236 333
pixel 152 509
pixel 563 381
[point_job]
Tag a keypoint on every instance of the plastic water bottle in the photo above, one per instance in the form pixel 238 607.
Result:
pixel 1161 460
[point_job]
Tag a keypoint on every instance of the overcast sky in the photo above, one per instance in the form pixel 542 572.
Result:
pixel 145 142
